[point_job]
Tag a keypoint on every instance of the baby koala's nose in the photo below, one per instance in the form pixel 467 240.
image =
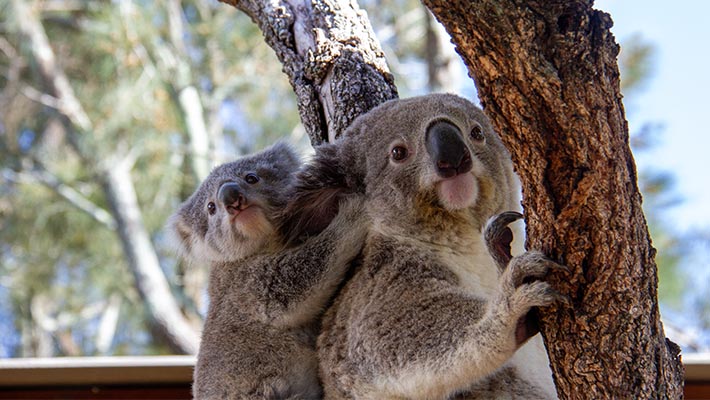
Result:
pixel 448 149
pixel 231 196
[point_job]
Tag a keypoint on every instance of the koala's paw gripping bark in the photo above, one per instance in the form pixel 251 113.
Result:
pixel 523 289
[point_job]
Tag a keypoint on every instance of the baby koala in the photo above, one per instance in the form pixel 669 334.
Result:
pixel 265 298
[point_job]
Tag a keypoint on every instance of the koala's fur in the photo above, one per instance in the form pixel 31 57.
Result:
pixel 259 335
pixel 430 314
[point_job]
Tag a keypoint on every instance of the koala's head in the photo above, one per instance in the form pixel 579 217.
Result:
pixel 232 214
pixel 425 161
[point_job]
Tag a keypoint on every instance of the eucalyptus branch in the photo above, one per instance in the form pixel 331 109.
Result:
pixel 38 174
pixel 331 57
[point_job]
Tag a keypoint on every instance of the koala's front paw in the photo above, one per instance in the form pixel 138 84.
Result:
pixel 523 289
pixel 530 266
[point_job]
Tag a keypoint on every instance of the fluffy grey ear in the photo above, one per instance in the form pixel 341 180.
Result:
pixel 316 195
pixel 281 156
pixel 181 237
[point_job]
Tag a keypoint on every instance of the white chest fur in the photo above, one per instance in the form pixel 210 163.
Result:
pixel 478 275
pixel 473 266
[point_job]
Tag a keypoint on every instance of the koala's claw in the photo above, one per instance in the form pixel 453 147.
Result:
pixel 562 299
pixel 503 219
pixel 530 266
pixel 499 236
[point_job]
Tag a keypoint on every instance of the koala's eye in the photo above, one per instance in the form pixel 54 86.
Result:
pixel 211 208
pixel 251 178
pixel 399 153
pixel 477 133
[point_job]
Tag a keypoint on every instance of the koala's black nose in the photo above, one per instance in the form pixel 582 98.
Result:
pixel 231 196
pixel 447 149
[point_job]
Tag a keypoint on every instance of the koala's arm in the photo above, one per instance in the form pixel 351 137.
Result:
pixel 431 340
pixel 291 287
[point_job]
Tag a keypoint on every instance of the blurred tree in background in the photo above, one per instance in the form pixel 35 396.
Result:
pixel 112 112
pixel 636 63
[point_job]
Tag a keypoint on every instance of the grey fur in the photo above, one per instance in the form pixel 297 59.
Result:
pixel 265 299
pixel 429 314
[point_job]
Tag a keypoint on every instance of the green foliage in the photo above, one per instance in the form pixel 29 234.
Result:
pixel 636 62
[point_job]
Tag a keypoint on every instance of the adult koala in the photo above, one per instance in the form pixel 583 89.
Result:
pixel 429 314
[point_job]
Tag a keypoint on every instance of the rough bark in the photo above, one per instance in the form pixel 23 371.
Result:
pixel 548 78
pixel 331 57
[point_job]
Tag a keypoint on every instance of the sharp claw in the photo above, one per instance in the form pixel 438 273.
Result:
pixel 500 222
pixel 558 267
pixel 499 236
pixel 560 298
pixel 507 217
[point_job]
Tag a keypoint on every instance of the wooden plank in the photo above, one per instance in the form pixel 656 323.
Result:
pixel 150 392
pixel 73 371
pixel 161 377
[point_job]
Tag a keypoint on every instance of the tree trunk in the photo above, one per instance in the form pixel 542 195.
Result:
pixel 548 78
pixel 331 57
pixel 443 72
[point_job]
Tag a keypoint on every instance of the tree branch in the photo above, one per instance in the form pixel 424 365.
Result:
pixel 51 72
pixel 188 96
pixel 170 59
pixel 152 285
pixel 331 57
pixel 38 173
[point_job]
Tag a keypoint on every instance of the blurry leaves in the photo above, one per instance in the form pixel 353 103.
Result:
pixel 636 62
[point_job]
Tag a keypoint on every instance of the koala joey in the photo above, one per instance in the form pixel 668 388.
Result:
pixel 431 313
pixel 265 298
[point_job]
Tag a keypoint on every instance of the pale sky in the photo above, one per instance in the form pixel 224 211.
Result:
pixel 677 96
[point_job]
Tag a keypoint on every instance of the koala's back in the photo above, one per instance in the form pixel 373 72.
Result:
pixel 279 365
pixel 241 357
pixel 506 380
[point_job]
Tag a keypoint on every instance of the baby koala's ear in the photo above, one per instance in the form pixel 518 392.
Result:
pixel 314 201
pixel 180 233
pixel 282 156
